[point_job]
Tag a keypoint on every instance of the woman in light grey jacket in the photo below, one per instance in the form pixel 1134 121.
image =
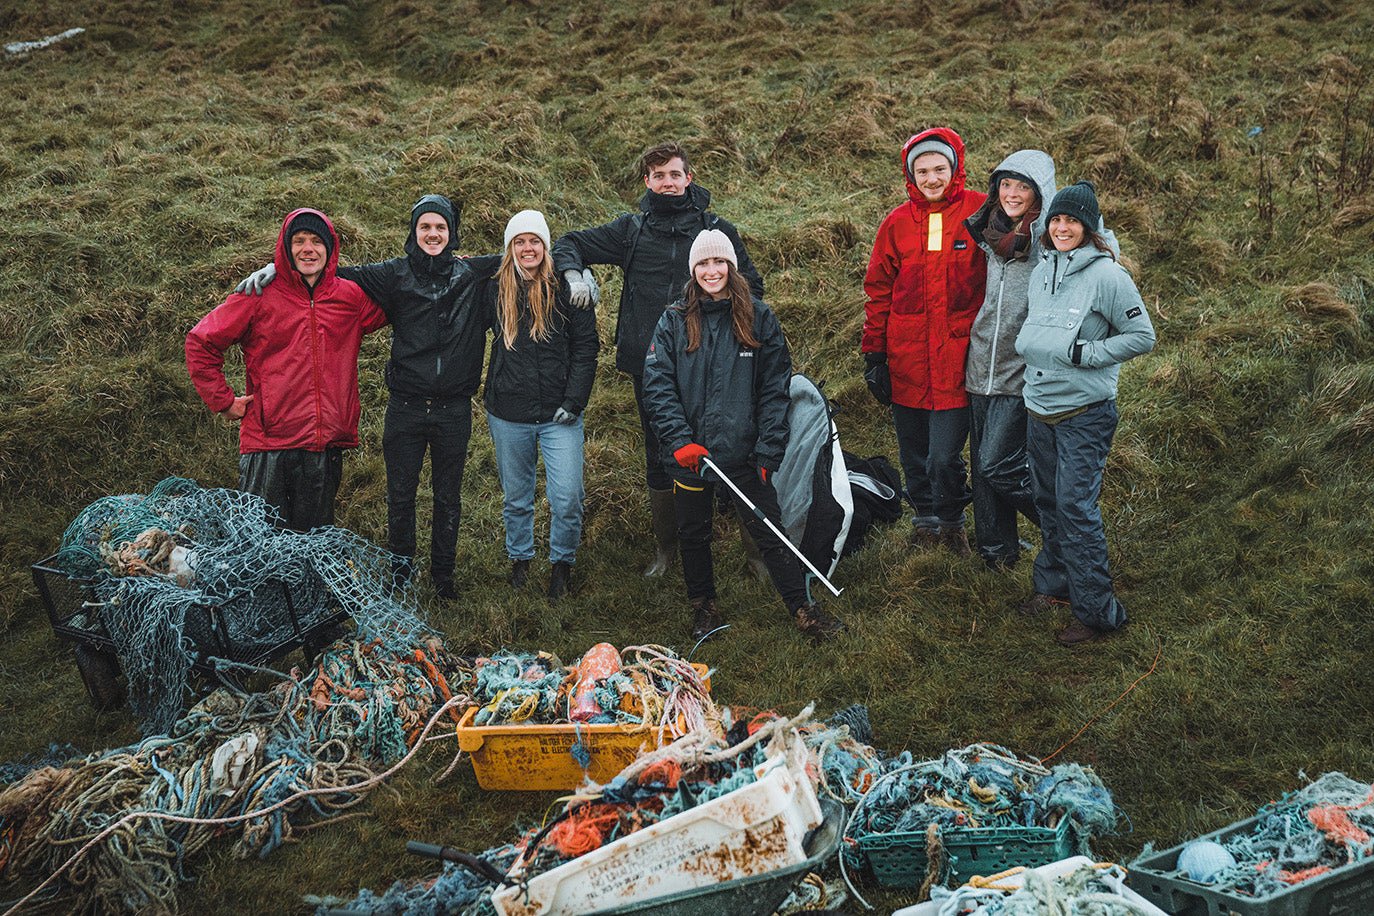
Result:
pixel 1008 228
pixel 1085 318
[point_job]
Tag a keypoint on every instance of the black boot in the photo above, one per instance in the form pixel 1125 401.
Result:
pixel 443 585
pixel 665 531
pixel 402 570
pixel 519 573
pixel 706 619
pixel 753 558
pixel 560 580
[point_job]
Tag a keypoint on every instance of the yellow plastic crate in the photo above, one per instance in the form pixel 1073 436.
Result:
pixel 539 757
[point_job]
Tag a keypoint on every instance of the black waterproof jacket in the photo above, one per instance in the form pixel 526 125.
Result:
pixel 438 323
pixel 528 382
pixel 725 396
pixel 652 247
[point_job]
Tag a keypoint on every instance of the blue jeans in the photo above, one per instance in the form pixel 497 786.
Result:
pixel 930 444
pixel 1001 475
pixel 1066 462
pixel 518 447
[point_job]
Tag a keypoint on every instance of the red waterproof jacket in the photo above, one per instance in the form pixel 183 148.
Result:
pixel 300 353
pixel 923 291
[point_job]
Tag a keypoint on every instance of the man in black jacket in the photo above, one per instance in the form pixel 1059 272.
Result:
pixel 651 247
pixel 434 303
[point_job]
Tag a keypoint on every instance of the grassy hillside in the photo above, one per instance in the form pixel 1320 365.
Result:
pixel 146 164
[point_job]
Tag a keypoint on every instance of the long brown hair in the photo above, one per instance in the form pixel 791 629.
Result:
pixel 540 291
pixel 741 309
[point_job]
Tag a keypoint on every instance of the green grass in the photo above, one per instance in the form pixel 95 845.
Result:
pixel 145 167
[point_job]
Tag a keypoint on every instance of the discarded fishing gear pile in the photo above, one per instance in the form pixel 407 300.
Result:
pixel 231 754
pixel 655 689
pixel 1089 890
pixel 981 786
pixel 691 771
pixel 159 562
pixel 1306 833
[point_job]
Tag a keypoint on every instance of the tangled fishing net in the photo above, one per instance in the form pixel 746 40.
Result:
pixel 979 786
pixel 1326 825
pixel 188 573
pixel 328 732
pixel 1090 890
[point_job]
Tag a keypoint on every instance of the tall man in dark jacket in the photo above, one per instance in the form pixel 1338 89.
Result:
pixel 651 247
pixel 434 303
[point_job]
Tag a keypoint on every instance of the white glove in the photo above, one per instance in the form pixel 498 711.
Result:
pixel 257 281
pixel 564 417
pixel 579 290
pixel 590 279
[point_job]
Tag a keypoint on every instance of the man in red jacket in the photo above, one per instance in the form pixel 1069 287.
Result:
pixel 300 342
pixel 924 284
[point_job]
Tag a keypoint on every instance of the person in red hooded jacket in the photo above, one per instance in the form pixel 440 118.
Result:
pixel 924 285
pixel 300 343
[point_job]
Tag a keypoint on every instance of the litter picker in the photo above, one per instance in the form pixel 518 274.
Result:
pixel 758 513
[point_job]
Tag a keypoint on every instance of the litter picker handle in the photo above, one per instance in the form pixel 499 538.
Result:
pixel 772 527
pixel 466 859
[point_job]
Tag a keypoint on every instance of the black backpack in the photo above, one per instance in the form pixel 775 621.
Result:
pixel 876 487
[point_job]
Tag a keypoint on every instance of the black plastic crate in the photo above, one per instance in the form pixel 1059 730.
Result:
pixel 1344 891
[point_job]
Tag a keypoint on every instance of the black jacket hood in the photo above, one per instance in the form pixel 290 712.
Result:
pixel 423 263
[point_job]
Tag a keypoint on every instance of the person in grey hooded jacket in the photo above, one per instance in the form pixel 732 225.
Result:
pixel 1084 319
pixel 1008 228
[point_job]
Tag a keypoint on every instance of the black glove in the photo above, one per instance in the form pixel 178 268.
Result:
pixel 877 378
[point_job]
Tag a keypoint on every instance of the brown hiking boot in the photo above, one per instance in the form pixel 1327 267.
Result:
pixel 924 538
pixel 1038 604
pixel 954 539
pixel 1078 633
pixel 706 619
pixel 817 623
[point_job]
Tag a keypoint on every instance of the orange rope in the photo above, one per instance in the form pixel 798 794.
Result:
pixel 437 679
pixel 1159 651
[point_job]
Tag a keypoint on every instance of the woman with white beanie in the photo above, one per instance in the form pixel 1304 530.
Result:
pixel 543 361
pixel 716 380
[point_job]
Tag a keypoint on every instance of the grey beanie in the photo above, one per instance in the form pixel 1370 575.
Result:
pixel 932 145
pixel 1079 201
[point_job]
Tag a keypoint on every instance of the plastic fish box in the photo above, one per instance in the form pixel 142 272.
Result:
pixel 1052 870
pixel 899 859
pixel 540 757
pixel 1344 891
pixel 756 829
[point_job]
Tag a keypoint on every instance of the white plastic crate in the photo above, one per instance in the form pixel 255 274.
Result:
pixel 751 831
pixel 1053 870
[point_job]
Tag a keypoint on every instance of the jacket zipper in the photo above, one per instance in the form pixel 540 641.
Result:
pixel 315 370
pixel 997 325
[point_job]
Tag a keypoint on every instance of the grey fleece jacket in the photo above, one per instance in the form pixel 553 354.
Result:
pixel 1085 318
pixel 993 366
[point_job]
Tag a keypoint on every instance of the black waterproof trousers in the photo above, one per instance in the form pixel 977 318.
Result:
pixel 300 485
pixel 694 503
pixel 411 427
pixel 1001 475
pixel 654 474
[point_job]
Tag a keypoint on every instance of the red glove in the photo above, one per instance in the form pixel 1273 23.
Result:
pixel 764 474
pixel 690 455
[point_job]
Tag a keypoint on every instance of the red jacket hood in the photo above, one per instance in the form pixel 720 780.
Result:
pixel 956 182
pixel 286 270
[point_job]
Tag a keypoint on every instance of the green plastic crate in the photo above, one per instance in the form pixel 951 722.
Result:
pixel 1345 891
pixel 899 859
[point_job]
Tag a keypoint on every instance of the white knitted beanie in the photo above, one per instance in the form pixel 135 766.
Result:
pixel 712 243
pixel 531 221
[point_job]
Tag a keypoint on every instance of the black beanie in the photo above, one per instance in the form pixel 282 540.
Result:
pixel 437 203
pixel 308 221
pixel 1079 201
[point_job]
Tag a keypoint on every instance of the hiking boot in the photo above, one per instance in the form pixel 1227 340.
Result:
pixel 1038 604
pixel 817 623
pixel 706 619
pixel 954 539
pixel 1078 632
pixel 402 571
pixel 560 580
pixel 924 538
pixel 445 589
pixel 664 520
pixel 519 573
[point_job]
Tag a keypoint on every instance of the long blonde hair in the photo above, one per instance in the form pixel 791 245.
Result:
pixel 540 291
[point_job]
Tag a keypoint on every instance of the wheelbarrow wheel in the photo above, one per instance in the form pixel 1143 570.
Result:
pixel 100 673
